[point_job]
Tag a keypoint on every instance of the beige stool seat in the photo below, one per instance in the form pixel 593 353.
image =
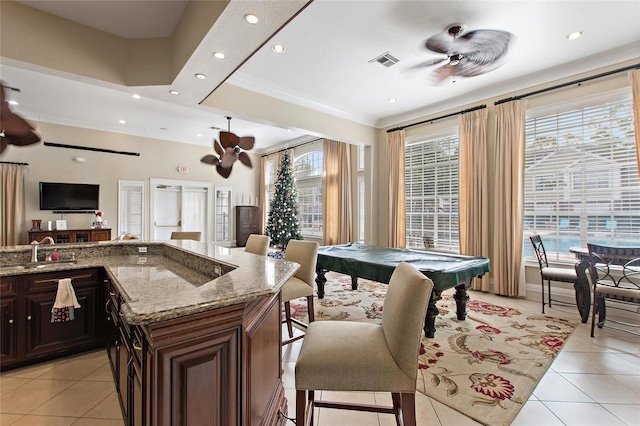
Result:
pixel 257 244
pixel 186 235
pixel 301 284
pixel 365 357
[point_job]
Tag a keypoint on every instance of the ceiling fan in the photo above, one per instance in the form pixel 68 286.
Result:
pixel 14 130
pixel 229 149
pixel 467 54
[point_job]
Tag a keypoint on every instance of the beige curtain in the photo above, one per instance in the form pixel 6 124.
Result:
pixel 473 196
pixel 264 200
pixel 262 194
pixel 13 208
pixel 634 79
pixel 336 193
pixel 506 263
pixel 396 229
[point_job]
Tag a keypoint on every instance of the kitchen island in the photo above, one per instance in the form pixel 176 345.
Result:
pixel 192 330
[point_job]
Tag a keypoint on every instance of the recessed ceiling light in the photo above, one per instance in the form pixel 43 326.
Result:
pixel 251 18
pixel 219 55
pixel 575 35
pixel 392 100
pixel 13 102
pixel 122 122
pixel 199 135
pixel 200 76
pixel 174 92
pixel 278 48
pixel 135 96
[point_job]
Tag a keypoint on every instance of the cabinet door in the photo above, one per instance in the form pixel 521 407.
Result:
pixel 101 235
pixel 9 304
pixel 44 337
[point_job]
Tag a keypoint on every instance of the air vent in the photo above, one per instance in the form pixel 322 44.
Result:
pixel 385 60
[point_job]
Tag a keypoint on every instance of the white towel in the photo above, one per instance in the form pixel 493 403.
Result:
pixel 66 302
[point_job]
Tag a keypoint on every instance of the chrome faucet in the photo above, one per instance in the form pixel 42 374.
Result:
pixel 34 247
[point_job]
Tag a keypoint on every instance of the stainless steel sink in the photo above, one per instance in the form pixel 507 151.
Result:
pixel 52 264
pixel 12 268
pixel 39 265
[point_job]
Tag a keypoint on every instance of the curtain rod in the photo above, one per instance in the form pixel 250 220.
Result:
pixel 89 148
pixel 570 83
pixel 437 118
pixel 293 147
pixel 12 162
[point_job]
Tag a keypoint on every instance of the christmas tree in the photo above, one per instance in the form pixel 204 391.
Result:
pixel 282 224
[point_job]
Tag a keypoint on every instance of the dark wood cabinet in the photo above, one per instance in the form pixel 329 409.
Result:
pixel 28 335
pixel 247 223
pixel 72 235
pixel 9 300
pixel 162 369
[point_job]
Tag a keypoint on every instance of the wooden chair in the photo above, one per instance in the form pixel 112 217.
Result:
pixel 301 284
pixel 257 244
pixel 366 357
pixel 186 235
pixel 615 274
pixel 550 273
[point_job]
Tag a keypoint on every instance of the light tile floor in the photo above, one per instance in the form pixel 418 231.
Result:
pixel 593 381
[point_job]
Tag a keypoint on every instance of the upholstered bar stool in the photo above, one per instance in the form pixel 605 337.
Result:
pixel 301 284
pixel 365 357
pixel 258 244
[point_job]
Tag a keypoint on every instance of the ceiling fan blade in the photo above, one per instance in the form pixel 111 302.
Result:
pixel 247 142
pixel 223 172
pixel 244 159
pixel 218 148
pixel 442 73
pixel 228 158
pixel 210 159
pixel 228 139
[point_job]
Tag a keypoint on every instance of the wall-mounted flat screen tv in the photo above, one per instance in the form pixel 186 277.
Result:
pixel 69 196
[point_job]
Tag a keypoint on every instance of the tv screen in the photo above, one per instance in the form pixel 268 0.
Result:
pixel 69 196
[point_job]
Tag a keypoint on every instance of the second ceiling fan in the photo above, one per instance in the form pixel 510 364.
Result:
pixel 229 149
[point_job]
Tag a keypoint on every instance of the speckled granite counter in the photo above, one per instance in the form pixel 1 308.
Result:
pixel 172 279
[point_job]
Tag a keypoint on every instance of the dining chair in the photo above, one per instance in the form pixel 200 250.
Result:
pixel 300 284
pixel 186 235
pixel 366 357
pixel 257 244
pixel 615 275
pixel 548 273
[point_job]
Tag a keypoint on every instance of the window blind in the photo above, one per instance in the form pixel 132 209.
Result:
pixel 431 194
pixel 581 179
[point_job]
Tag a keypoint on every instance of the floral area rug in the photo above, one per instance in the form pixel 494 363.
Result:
pixel 485 367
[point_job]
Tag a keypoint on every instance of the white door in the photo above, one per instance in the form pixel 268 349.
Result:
pixel 180 206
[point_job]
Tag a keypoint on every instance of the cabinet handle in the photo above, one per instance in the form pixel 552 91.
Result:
pixel 11 321
pixel 111 293
pixel 137 348
pixel 29 318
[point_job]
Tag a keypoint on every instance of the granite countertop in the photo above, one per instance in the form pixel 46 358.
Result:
pixel 172 279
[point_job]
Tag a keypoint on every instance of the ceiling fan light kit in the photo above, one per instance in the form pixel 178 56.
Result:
pixel 229 149
pixel 467 54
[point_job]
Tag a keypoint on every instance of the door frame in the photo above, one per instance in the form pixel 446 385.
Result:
pixel 153 182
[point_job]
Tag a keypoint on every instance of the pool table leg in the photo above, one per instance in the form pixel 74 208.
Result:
pixel 432 313
pixel 320 281
pixel 461 297
pixel 354 282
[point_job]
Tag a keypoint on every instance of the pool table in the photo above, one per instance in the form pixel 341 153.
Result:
pixel 377 264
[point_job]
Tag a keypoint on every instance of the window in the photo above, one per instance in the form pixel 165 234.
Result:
pixel 581 178
pixel 223 214
pixel 307 171
pixel 431 191
pixel 270 178
pixel 131 208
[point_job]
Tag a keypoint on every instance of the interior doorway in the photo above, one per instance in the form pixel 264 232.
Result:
pixel 178 205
